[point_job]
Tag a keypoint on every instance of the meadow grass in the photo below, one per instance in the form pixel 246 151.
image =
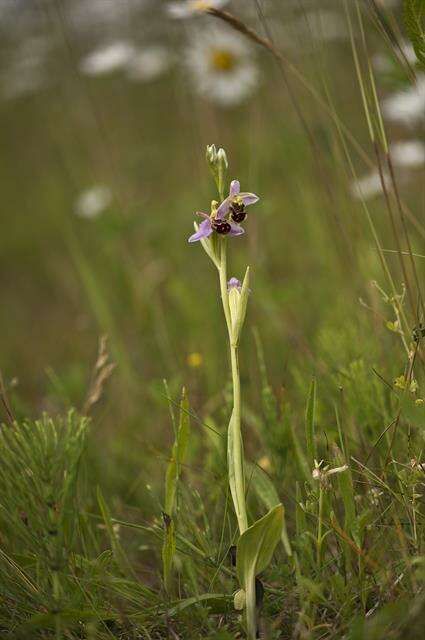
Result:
pixel 116 514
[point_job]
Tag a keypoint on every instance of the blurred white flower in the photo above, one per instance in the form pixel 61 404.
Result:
pixel 187 8
pixel 408 106
pixel 221 67
pixel 384 63
pixel 367 186
pixel 149 63
pixel 93 201
pixel 109 58
pixel 26 72
pixel 408 153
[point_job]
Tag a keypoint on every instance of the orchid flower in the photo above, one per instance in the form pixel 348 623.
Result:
pixel 210 224
pixel 236 202
pixel 224 219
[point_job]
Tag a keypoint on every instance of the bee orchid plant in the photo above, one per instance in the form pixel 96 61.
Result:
pixel 256 542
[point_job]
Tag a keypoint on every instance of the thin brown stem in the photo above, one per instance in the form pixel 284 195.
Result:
pixel 5 402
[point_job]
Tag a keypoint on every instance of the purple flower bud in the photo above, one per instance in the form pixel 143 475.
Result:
pixel 234 283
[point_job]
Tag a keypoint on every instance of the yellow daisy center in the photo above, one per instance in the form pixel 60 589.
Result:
pixel 200 5
pixel 224 61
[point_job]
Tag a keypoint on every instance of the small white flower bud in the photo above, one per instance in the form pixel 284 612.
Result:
pixel 222 159
pixel 211 154
pixel 239 600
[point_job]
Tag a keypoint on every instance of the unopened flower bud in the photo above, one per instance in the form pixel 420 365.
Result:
pixel 234 297
pixel 211 154
pixel 222 159
pixel 239 600
pixel 238 300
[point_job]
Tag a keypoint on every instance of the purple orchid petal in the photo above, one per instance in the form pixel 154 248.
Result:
pixel 235 187
pixel 223 209
pixel 236 230
pixel 204 230
pixel 248 198
pixel 204 215
pixel 234 283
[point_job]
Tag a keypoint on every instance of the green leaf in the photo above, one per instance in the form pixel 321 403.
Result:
pixel 299 452
pixel 256 545
pixel 262 485
pixel 117 549
pixel 266 492
pixel 414 22
pixel 231 470
pixel 243 302
pixel 178 456
pixel 168 551
pixel 254 551
pixel 346 487
pixel 310 418
pixel 210 598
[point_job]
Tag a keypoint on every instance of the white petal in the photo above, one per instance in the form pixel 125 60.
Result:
pixel 148 64
pixel 408 153
pixel 108 58
pixel 93 201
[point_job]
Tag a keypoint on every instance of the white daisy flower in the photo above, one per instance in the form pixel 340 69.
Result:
pixel 26 72
pixel 408 106
pixel 148 63
pixel 368 186
pixel 92 202
pixel 408 153
pixel 221 67
pixel 108 58
pixel 188 8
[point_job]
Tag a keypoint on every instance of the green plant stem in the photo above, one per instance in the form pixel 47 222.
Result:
pixel 223 286
pixel 320 527
pixel 235 422
pixel 250 609
pixel 237 439
pixel 236 435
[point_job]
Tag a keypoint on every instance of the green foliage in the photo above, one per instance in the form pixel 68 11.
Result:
pixel 178 456
pixel 414 22
pixel 39 521
pixel 256 545
pixel 310 419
